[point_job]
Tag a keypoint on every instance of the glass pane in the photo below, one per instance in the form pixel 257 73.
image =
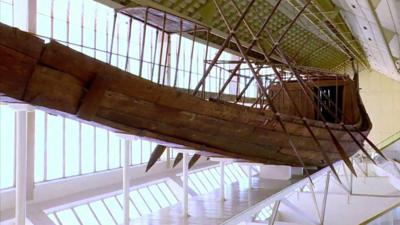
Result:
pixel 85 215
pixel 193 186
pixel 71 147
pixel 136 152
pixel 133 213
pixel 211 178
pixel 7 147
pixel 151 202
pixel 53 218
pixel 101 149
pixel 216 175
pixel 138 201
pixel 167 192
pixel 233 171
pixel 146 149
pixel 75 13
pixel 204 181
pixel 198 184
pixel 229 175
pixel 87 148
pixel 54 147
pixel 60 30
pixel 114 153
pixel 39 145
pixel 43 26
pixel 44 7
pixel 115 209
pixel 6 13
pixel 67 217
pixel 240 171
pixel 60 10
pixel 159 196
pixel 101 213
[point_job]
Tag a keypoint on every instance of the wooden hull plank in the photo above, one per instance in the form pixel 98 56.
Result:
pixel 67 82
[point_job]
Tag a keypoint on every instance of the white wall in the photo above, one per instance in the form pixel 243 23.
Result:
pixel 381 97
pixel 371 195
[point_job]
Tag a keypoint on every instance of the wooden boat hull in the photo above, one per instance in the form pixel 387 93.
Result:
pixel 63 81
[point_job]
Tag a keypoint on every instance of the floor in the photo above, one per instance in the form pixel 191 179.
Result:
pixel 209 210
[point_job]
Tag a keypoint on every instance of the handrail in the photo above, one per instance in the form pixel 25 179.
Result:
pixel 389 140
pixel 276 197
pixel 380 214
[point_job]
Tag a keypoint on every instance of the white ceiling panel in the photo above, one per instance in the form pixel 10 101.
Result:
pixel 394 45
pixel 388 14
pixel 365 25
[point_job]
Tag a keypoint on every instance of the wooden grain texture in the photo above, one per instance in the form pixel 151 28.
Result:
pixel 60 57
pixel 64 81
pixel 155 155
pixel 54 89
pixel 20 41
pixel 91 101
pixel 15 72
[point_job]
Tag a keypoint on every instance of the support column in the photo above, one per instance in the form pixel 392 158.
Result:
pixel 21 161
pixel 125 174
pixel 26 11
pixel 125 180
pixel 185 185
pixel 168 157
pixel 222 181
pixel 30 176
pixel 326 191
pixel 250 175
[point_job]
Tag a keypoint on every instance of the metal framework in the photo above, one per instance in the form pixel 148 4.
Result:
pixel 168 24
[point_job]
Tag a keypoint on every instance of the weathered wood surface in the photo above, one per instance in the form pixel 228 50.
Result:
pixel 70 83
pixel 284 105
pixel 155 155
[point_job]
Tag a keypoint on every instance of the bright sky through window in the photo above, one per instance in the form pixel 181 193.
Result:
pixel 65 148
pixel 7 147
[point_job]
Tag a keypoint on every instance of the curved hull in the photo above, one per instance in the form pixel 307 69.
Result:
pixel 66 82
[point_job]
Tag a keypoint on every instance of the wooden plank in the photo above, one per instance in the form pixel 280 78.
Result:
pixel 208 150
pixel 54 89
pixel 188 120
pixel 92 99
pixel 137 106
pixel 228 147
pixel 140 88
pixel 220 128
pixel 15 72
pixel 21 41
pixel 64 59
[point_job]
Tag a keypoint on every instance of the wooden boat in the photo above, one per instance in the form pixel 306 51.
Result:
pixel 65 82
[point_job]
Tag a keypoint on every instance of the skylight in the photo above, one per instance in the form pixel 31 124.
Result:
pixel 109 210
pixel 206 180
